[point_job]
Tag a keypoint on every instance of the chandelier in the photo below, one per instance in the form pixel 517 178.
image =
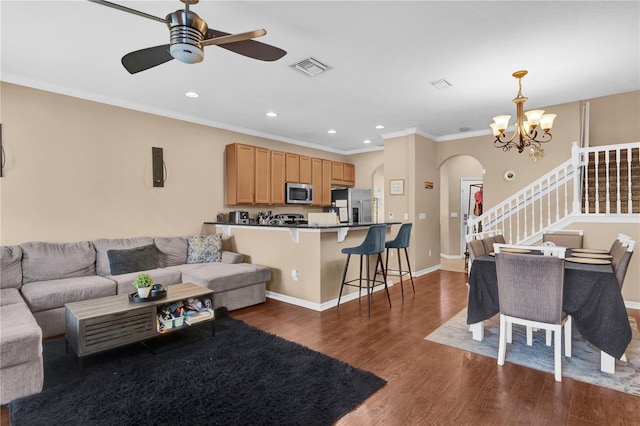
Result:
pixel 527 133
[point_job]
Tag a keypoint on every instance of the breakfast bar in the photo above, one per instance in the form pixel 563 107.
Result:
pixel 305 259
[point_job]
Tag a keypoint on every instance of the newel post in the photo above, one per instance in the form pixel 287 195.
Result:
pixel 577 181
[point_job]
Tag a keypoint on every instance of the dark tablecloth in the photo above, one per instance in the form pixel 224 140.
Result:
pixel 591 296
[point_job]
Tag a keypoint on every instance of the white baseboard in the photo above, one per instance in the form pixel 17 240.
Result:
pixel 632 305
pixel 320 306
pixel 451 256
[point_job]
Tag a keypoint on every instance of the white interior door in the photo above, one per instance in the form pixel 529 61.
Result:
pixel 468 189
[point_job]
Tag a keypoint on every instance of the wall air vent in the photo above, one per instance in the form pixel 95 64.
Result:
pixel 310 66
pixel 441 84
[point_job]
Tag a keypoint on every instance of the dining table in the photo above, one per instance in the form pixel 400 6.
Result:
pixel 591 296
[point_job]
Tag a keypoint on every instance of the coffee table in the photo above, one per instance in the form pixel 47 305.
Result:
pixel 96 325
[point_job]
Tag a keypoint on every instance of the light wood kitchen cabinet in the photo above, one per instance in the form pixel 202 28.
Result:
pixel 321 180
pixel 240 173
pixel 326 182
pixel 262 183
pixel 293 167
pixel 349 173
pixel 278 173
pixel 256 175
pixel 343 173
pixel 336 171
pixel 305 169
pixel 316 181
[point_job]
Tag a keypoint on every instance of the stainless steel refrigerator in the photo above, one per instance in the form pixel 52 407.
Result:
pixel 352 205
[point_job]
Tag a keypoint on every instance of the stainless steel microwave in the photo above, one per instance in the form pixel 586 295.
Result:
pixel 299 193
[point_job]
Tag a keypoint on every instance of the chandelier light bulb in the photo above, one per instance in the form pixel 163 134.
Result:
pixel 502 122
pixel 546 122
pixel 533 117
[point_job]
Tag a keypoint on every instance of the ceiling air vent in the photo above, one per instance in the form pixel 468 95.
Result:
pixel 310 66
pixel 441 84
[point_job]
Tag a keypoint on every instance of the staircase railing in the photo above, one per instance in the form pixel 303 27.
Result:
pixel 549 201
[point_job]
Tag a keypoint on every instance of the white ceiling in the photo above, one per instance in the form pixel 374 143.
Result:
pixel 384 55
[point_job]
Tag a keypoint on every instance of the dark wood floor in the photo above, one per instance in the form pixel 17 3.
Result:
pixel 430 383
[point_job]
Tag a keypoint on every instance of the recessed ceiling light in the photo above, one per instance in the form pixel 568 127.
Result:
pixel 379 126
pixel 192 95
pixel 366 141
pixel 272 114
pixel 331 131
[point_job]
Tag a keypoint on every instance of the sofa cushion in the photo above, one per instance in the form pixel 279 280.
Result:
pixel 164 276
pixel 43 295
pixel 222 276
pixel 9 296
pixel 104 244
pixel 204 248
pixel 132 260
pixel 231 257
pixel 10 267
pixel 20 336
pixel 52 261
pixel 171 250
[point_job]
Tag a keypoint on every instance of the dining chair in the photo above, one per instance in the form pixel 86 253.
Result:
pixel 618 242
pixel 621 257
pixel 547 250
pixel 373 244
pixel 476 249
pixel 571 238
pixel 530 290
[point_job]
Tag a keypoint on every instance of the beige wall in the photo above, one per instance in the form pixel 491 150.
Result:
pixel 412 159
pixel 614 119
pixel 79 170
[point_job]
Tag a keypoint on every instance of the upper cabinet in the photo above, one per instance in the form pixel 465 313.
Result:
pixel 343 174
pixel 293 167
pixel 256 175
pixel 321 180
pixel 262 183
pixel 278 174
pixel 240 170
pixel 305 169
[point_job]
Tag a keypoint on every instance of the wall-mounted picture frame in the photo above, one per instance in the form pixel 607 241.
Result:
pixel 396 186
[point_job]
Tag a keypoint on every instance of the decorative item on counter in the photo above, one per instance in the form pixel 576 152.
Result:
pixel 143 283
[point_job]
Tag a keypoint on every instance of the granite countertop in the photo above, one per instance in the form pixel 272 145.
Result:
pixel 304 225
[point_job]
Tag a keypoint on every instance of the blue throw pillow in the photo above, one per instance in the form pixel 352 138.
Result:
pixel 134 259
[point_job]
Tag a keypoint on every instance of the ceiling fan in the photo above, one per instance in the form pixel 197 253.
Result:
pixel 188 35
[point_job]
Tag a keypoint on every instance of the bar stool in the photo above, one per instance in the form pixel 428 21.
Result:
pixel 373 244
pixel 401 241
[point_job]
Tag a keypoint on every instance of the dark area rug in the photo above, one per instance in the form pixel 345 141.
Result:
pixel 241 376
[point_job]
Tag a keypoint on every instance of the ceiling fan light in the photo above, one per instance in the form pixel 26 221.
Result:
pixel 546 122
pixel 187 53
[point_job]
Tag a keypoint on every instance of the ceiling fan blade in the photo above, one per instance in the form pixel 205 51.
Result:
pixel 233 38
pixel 250 48
pixel 129 10
pixel 144 59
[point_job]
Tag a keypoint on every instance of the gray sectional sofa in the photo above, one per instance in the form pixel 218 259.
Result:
pixel 37 279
